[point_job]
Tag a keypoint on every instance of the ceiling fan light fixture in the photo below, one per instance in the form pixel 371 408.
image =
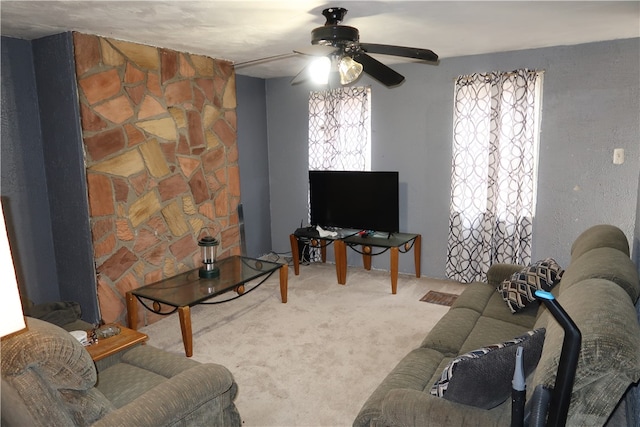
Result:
pixel 349 70
pixel 319 70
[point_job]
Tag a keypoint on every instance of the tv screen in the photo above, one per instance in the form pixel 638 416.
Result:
pixel 354 199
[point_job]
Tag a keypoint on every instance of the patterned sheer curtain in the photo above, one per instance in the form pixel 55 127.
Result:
pixel 339 129
pixel 495 134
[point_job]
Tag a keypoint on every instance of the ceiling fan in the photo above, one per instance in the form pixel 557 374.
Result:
pixel 339 53
pixel 349 57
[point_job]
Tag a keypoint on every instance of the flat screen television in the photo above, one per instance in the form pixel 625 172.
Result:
pixel 355 199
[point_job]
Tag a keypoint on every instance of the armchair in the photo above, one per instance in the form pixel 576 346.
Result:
pixel 48 378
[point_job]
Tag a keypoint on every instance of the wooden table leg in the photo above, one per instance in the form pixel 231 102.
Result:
pixel 185 326
pixel 294 254
pixel 340 253
pixel 366 257
pixel 284 281
pixel 323 250
pixel 394 269
pixel 132 311
pixel 417 250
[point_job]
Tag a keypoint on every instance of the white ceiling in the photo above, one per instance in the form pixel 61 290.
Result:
pixel 248 30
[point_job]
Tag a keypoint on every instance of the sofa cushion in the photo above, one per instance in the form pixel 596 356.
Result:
pixel 475 297
pixel 51 351
pixel 141 369
pixel 483 298
pixel 600 236
pixel 603 263
pixel 402 407
pixel 500 271
pixel 488 330
pixel 482 377
pixel 452 330
pixel 609 358
pixel 518 291
pixel 14 411
pixel 497 309
pixel 413 372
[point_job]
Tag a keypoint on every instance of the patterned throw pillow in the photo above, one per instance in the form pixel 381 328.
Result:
pixel 518 291
pixel 482 377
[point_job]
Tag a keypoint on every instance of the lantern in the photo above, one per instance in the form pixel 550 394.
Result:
pixel 208 245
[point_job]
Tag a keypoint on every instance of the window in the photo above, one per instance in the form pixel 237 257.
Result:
pixel 340 129
pixel 495 145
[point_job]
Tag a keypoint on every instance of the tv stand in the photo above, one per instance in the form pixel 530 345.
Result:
pixel 311 236
pixel 396 243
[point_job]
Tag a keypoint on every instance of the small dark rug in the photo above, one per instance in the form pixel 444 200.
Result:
pixel 441 298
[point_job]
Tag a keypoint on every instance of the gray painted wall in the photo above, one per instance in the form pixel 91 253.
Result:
pixel 590 106
pixel 43 174
pixel 254 164
pixel 65 170
pixel 23 183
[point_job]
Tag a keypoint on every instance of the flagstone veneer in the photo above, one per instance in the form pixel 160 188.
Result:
pixel 159 130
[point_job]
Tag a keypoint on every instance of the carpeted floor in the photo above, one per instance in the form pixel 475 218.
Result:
pixel 315 360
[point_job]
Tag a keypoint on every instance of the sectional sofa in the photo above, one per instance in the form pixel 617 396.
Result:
pixel 461 372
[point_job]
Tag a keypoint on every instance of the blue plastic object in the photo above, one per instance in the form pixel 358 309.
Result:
pixel 545 295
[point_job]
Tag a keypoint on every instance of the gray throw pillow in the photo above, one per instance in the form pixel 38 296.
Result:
pixel 482 377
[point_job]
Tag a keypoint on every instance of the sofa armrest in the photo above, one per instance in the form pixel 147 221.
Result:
pixel 406 407
pixel 177 398
pixel 499 272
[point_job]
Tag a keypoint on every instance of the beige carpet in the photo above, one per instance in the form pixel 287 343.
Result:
pixel 315 360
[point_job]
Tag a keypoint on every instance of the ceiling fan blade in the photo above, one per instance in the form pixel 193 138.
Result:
pixel 378 70
pixel 407 52
pixel 316 50
pixel 312 50
pixel 301 77
pixel 262 60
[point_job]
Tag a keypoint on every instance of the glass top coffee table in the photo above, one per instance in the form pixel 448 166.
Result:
pixel 187 289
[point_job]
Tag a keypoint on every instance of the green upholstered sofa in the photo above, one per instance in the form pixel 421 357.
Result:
pixel 49 379
pixel 598 290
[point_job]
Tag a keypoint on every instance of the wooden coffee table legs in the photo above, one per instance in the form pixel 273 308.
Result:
pixel 185 327
pixel 417 251
pixel 284 282
pixel 132 311
pixel 294 254
pixel 184 313
pixel 340 252
pixel 394 269
pixel 185 322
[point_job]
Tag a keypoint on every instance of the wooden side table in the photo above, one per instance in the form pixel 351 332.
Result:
pixel 395 242
pixel 109 346
pixel 318 242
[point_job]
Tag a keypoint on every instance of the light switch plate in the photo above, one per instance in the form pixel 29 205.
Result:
pixel 618 156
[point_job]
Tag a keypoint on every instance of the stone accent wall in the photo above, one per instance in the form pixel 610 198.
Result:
pixel 159 130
